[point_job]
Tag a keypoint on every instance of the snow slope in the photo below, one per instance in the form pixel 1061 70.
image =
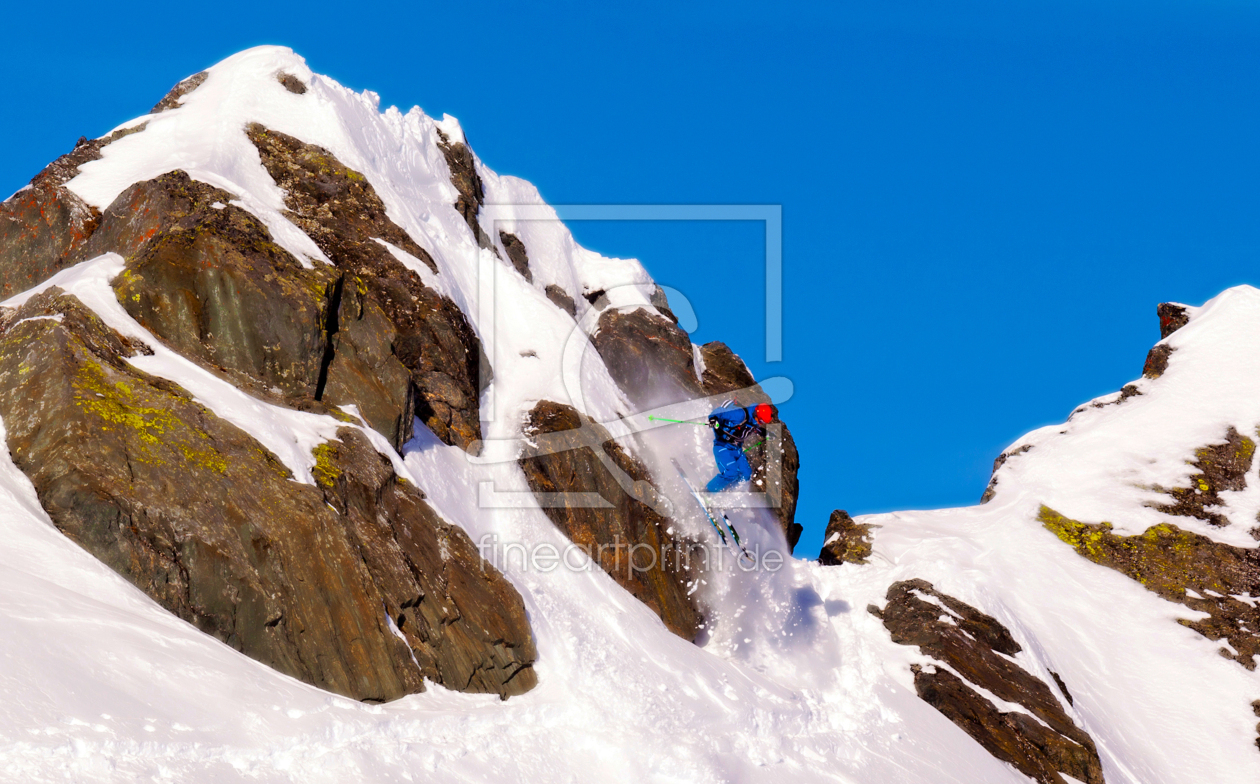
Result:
pixel 795 680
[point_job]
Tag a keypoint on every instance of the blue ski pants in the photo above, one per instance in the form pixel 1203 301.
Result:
pixel 732 467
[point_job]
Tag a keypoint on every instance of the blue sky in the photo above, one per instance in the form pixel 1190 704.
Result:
pixel 982 205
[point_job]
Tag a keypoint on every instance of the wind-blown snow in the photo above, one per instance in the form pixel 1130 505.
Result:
pixel 795 680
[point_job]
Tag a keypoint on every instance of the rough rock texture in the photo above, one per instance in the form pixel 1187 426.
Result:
pixel 517 254
pixel 472 194
pixel 1220 467
pixel 626 537
pixel 431 338
pixel 464 622
pixel 292 83
pixel 206 278
pixel 173 98
pixel 648 356
pixel 971 648
pixel 44 227
pixel 661 303
pixel 208 523
pixel 561 299
pixel 1172 317
pixel 845 541
pixel 1182 567
pixel 726 374
pixel 998 462
pixel 1157 360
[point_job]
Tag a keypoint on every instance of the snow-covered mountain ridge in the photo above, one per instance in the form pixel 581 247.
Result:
pixel 287 367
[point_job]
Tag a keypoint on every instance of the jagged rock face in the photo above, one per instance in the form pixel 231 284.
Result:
pixel 972 648
pixel 172 99
pixel 626 538
pixel 431 337
pixel 1221 467
pixel 1157 360
pixel 44 227
pixel 661 302
pixel 561 299
pixel 648 356
pixel 845 541
pixel 465 624
pixel 517 254
pixel 1172 317
pixel 998 462
pixel 1183 567
pixel 726 374
pixel 207 279
pixel 472 193
pixel 207 522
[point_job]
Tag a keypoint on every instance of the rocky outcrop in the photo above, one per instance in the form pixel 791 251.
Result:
pixel 172 99
pixel 661 303
pixel 1157 360
pixel 624 535
pixel 208 523
pixel 44 227
pixel 291 83
pixel 776 463
pixel 517 254
pixel 1172 317
pixel 998 462
pixel 845 541
pixel 206 278
pixel 648 356
pixel 465 624
pixel 561 299
pixel 472 193
pixel 1220 467
pixel 971 650
pixel 1180 566
pixel 428 335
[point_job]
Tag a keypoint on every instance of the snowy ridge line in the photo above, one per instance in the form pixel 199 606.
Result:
pixel 792 680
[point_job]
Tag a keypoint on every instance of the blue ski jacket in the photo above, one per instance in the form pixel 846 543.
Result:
pixel 731 426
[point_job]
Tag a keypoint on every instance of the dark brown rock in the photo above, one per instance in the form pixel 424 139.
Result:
pixel 1172 317
pixel 517 254
pixel 626 537
pixel 661 303
pixel 775 463
pixel 433 340
pixel 1157 360
pixel 472 194
pixel 1173 563
pixel 998 462
pixel 173 98
pixel 975 646
pixel 44 227
pixel 211 283
pixel 292 83
pixel 845 541
pixel 207 522
pixel 648 356
pixel 561 299
pixel 1221 467
pixel 464 622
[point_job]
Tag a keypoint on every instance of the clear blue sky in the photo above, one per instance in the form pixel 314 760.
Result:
pixel 982 205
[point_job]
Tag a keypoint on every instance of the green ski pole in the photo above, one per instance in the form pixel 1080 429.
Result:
pixel 677 421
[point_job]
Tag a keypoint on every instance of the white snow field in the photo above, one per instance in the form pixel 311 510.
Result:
pixel 795 681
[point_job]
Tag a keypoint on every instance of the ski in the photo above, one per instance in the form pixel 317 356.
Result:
pixel 713 520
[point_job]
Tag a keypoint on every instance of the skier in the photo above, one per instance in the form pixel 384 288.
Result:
pixel 732 427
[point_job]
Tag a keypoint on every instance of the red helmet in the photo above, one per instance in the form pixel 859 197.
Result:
pixel 764 413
